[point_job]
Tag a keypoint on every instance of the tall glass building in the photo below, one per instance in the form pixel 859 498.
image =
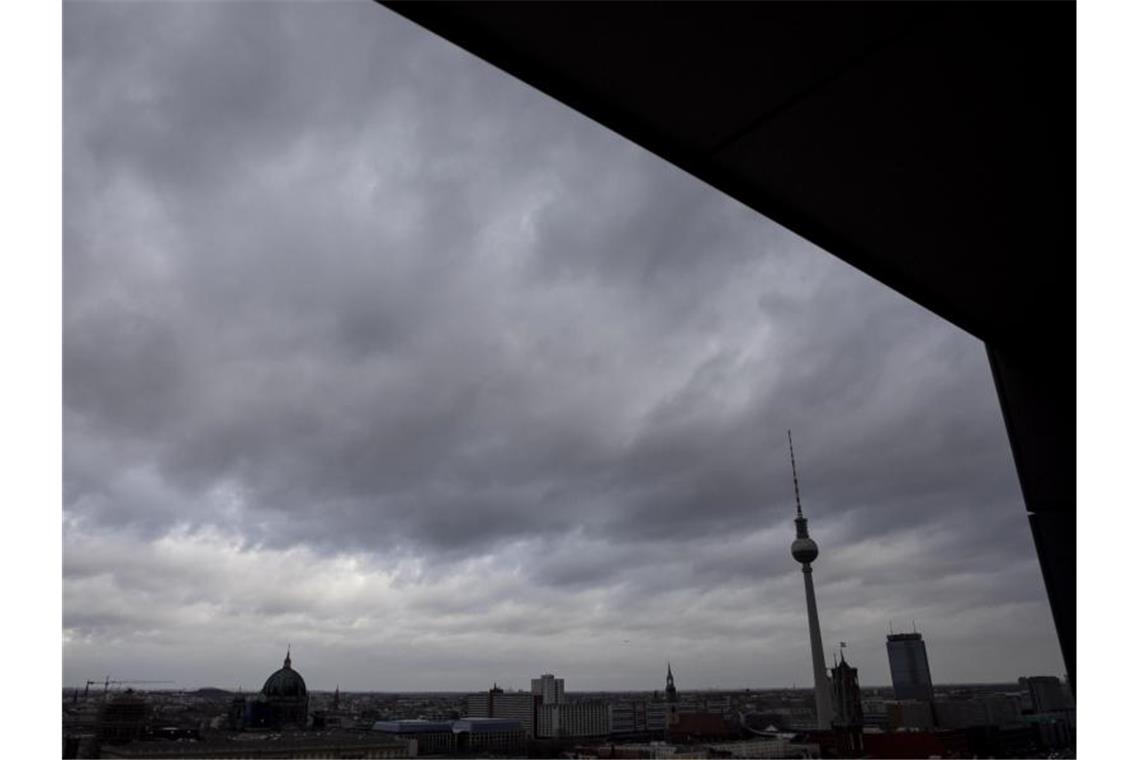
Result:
pixel 910 670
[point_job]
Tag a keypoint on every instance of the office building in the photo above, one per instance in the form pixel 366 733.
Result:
pixel 577 719
pixel 490 735
pixel 496 703
pixel 549 688
pixel 910 670
pixel 639 717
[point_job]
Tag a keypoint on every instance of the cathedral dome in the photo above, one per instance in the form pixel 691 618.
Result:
pixel 286 683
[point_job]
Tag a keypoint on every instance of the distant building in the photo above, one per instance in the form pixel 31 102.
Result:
pixel 847 703
pixel 1001 709
pixel 695 726
pixel 496 703
pixel 235 716
pixel 912 744
pixel 121 719
pixel 549 688
pixel 289 746
pixel 1052 711
pixel 283 702
pixel 909 713
pixel 651 751
pixel 670 687
pixel 960 713
pixel 432 737
pixel 763 748
pixel 846 698
pixel 874 711
pixel 910 669
pixel 492 735
pixel 1047 693
pixel 639 717
pixel 577 719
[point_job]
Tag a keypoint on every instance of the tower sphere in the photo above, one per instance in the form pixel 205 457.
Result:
pixel 804 550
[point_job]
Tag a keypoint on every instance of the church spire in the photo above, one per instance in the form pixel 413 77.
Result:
pixel 288 659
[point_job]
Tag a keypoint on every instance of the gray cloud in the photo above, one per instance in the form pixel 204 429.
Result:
pixel 332 286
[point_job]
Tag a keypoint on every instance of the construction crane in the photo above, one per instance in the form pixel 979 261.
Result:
pixel 108 681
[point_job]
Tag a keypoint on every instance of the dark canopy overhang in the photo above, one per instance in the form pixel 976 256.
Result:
pixel 931 145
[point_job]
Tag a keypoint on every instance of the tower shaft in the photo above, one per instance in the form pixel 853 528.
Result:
pixel 804 551
pixel 823 708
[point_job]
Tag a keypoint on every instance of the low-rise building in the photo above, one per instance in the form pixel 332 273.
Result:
pixel 287 746
pixel 488 735
pixel 763 748
pixel 909 713
pixel 431 737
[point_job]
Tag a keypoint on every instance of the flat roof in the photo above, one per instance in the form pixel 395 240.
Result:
pixel 481 725
pixel 412 726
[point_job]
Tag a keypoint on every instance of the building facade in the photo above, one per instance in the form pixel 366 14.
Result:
pixel 283 701
pixel 549 689
pixel 910 669
pixel 909 713
pixel 496 703
pixel 492 735
pixel 639 717
pixel 286 746
pixel 1047 693
pixel 847 701
pixel 577 719
pixel 431 737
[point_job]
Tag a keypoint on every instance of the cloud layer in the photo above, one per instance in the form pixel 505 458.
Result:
pixel 372 349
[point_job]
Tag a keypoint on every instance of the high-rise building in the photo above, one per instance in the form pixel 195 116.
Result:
pixel 804 551
pixel 910 670
pixel 548 687
pixel 496 703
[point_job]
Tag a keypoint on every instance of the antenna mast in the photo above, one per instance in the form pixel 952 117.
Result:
pixel 795 478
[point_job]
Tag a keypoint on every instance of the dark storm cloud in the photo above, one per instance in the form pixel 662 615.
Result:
pixel 332 285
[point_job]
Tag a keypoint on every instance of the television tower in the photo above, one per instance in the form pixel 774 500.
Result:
pixel 805 551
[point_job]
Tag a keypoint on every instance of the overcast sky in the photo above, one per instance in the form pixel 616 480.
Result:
pixel 371 349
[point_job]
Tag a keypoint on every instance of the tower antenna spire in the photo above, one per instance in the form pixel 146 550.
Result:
pixel 795 478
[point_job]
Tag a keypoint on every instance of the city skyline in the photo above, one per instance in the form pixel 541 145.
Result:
pixel 370 349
